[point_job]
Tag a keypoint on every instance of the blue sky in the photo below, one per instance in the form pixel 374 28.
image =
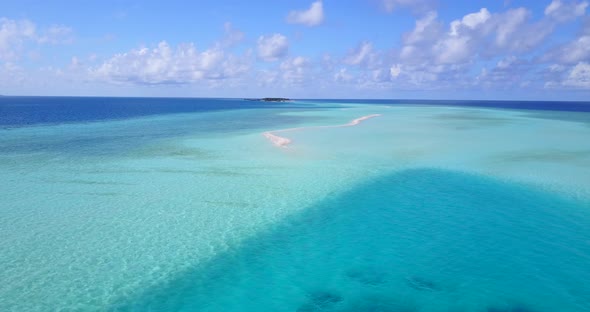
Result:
pixel 536 49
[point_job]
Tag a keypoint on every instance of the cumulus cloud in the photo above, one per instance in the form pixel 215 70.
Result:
pixel 164 64
pixel 311 17
pixel 470 21
pixel 565 11
pixel 272 48
pixel 475 35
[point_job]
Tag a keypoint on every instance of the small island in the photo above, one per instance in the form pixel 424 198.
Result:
pixel 269 99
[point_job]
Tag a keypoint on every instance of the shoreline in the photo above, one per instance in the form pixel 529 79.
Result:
pixel 283 142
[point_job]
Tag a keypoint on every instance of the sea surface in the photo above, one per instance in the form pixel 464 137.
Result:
pixel 179 204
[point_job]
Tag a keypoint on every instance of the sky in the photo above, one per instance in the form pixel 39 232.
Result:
pixel 392 49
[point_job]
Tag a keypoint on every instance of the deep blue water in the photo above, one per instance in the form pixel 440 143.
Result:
pixel 528 105
pixel 27 111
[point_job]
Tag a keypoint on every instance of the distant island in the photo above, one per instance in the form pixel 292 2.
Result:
pixel 270 99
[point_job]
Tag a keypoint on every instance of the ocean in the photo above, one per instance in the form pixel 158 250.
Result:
pixel 180 204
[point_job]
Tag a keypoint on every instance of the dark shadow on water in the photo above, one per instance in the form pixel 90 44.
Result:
pixel 404 242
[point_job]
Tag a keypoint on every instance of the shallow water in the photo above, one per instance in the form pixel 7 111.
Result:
pixel 423 208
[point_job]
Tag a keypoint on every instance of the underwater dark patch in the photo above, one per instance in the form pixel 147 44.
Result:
pixel 510 308
pixel 378 304
pixel 367 276
pixel 320 301
pixel 420 283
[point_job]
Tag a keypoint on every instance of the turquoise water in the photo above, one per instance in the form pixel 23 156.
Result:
pixel 424 208
pixel 417 240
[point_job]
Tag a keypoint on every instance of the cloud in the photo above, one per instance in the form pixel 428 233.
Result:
pixel 395 70
pixel 272 48
pixel 579 76
pixel 56 34
pixel 427 28
pixel 476 35
pixel 16 35
pixel 573 52
pixel 509 72
pixel 361 55
pixel 417 44
pixel 470 21
pixel 295 70
pixel 564 12
pixel 311 17
pixel 13 35
pixel 11 74
pixel 232 35
pixel 342 75
pixel 167 65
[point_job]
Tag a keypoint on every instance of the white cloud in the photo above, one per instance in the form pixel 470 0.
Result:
pixel 166 65
pixel 571 53
pixel 11 74
pixel 563 12
pixel 272 48
pixel 509 72
pixel 232 35
pixel 18 35
pixel 267 77
pixel 13 34
pixel 453 49
pixel 342 75
pixel 470 21
pixel 360 55
pixel 474 36
pixel 311 17
pixel 380 75
pixel 56 34
pixel 506 62
pixel 395 70
pixel 296 62
pixel 509 23
pixel 579 76
pixel 294 71
pixel 426 28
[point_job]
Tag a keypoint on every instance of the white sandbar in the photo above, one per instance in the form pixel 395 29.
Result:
pixel 284 142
